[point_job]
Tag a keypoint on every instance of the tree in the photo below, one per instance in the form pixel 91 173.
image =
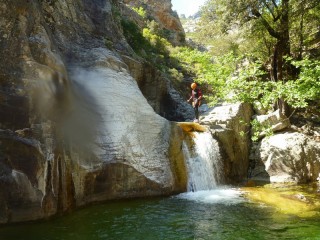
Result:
pixel 277 18
pixel 305 32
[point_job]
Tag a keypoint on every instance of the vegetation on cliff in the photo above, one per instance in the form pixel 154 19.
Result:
pixel 262 52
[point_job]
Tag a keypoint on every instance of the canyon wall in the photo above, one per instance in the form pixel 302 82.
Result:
pixel 75 127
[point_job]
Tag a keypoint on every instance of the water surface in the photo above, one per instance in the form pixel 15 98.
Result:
pixel 222 213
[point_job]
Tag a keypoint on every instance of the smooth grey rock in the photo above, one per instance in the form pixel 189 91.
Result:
pixel 275 121
pixel 230 123
pixel 287 157
pixel 75 127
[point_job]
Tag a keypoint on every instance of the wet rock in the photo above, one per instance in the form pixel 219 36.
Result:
pixel 75 126
pixel 230 124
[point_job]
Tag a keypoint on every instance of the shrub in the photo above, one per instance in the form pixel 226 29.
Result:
pixel 133 35
pixel 141 12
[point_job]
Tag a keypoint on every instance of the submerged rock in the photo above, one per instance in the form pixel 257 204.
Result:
pixel 286 198
pixel 192 127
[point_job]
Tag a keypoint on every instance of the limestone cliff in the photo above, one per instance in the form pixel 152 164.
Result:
pixel 74 125
pixel 154 85
pixel 161 12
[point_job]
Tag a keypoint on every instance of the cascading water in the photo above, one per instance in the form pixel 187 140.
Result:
pixel 203 162
pixel 205 172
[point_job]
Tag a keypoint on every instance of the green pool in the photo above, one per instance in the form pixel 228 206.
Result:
pixel 223 213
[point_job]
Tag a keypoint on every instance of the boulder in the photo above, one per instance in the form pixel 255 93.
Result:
pixel 274 121
pixel 230 124
pixel 287 157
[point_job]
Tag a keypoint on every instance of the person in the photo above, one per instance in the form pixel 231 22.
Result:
pixel 196 96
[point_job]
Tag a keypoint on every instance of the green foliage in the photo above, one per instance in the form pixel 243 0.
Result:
pixel 206 69
pixel 141 12
pixel 254 27
pixel 304 25
pixel 259 130
pixel 175 74
pixel 133 35
pixel 235 25
pixel 234 69
pixel 148 43
pixel 247 85
pixel 158 50
pixel 116 13
pixel 160 44
pixel 308 83
pixel 154 27
pixel 108 43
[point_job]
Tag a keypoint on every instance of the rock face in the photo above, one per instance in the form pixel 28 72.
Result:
pixel 227 123
pixel 164 99
pixel 155 86
pixel 287 157
pixel 74 125
pixel 162 12
pixel 275 121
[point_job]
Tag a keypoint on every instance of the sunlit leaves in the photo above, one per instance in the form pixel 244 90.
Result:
pixel 213 71
pixel 255 28
pixel 247 86
pixel 309 78
pixel 141 11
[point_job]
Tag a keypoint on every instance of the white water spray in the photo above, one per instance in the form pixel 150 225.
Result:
pixel 203 163
pixel 205 173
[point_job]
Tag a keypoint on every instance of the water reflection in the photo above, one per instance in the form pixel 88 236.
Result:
pixel 219 214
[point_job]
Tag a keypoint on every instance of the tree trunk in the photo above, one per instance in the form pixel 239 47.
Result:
pixel 277 74
pixel 280 69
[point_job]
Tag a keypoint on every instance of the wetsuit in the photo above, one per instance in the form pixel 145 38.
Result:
pixel 196 101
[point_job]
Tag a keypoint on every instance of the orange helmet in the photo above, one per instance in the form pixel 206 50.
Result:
pixel 193 86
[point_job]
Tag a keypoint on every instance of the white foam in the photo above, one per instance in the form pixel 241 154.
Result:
pixel 226 196
pixel 203 162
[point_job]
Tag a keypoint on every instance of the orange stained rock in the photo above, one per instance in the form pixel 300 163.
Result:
pixel 192 127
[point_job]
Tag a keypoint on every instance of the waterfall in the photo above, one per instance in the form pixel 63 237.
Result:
pixel 203 162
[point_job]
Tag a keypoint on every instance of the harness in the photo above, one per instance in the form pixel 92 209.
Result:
pixel 196 94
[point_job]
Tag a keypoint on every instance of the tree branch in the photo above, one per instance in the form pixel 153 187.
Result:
pixel 265 23
pixel 270 10
pixel 274 4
